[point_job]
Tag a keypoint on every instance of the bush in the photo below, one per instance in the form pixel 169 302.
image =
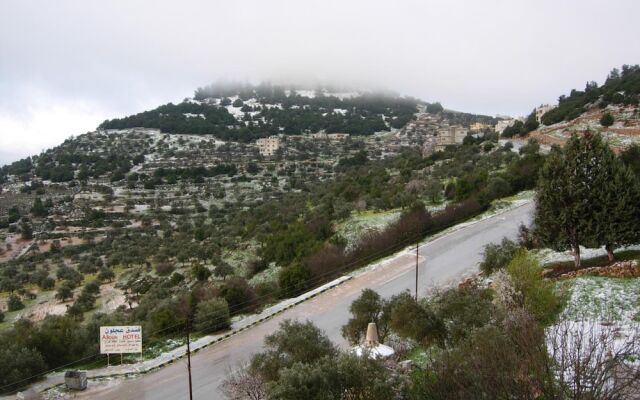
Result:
pixel 463 311
pixel 164 268
pixel 19 366
pixel 607 120
pixel 238 294
pixel 497 256
pixel 176 278
pixel 536 294
pixel 293 342
pixel 14 303
pixel 47 283
pixel 106 274
pixel 165 318
pixel 293 280
pixel 412 320
pixel 508 362
pixel 212 315
pixel 200 272
pixel 344 377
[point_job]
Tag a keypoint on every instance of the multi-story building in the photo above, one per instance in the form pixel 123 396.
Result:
pixel 452 135
pixel 338 136
pixel 269 145
pixel 478 126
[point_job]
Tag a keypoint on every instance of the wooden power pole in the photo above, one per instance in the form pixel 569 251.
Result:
pixel 417 248
pixel 189 358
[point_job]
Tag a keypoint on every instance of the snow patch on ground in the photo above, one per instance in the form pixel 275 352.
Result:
pixel 610 299
pixel 548 256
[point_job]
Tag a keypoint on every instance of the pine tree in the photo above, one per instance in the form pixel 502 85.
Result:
pixel 567 195
pixel 618 219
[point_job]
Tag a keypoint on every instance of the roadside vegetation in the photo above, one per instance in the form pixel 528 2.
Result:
pixel 168 267
pixel 511 332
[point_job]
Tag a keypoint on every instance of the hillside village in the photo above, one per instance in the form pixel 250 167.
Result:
pixel 116 225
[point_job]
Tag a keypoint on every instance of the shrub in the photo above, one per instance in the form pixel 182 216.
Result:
pixel 463 311
pixel 212 315
pixel 164 268
pixel 497 256
pixel 47 283
pixel 14 303
pixel 293 280
pixel 293 342
pixel 200 272
pixel 165 318
pixel 536 294
pixel 607 120
pixel 106 274
pixel 19 366
pixel 238 294
pixel 412 320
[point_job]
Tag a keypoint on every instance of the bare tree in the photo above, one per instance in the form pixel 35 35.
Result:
pixel 240 384
pixel 595 361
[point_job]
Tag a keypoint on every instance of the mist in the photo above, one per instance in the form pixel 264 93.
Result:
pixel 66 66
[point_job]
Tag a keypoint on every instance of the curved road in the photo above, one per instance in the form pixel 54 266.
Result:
pixel 442 261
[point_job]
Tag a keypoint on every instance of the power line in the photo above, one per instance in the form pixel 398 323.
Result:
pixel 247 305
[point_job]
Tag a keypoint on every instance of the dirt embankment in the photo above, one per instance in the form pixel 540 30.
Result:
pixel 620 269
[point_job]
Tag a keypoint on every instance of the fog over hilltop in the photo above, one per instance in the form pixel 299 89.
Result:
pixel 68 66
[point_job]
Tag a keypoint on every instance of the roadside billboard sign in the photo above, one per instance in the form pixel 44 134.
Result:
pixel 120 339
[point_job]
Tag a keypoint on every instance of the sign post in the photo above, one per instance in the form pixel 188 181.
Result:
pixel 120 340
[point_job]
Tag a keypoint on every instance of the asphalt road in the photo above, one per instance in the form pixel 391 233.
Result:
pixel 442 261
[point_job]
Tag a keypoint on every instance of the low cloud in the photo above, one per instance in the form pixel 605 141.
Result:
pixel 89 61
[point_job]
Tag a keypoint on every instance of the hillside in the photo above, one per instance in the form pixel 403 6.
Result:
pixel 130 225
pixel 582 110
pixel 246 112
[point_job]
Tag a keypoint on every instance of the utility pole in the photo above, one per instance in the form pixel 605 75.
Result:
pixel 189 358
pixel 417 247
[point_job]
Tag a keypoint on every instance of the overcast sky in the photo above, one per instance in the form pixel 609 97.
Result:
pixel 65 66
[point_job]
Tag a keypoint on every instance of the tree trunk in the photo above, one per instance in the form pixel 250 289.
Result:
pixel 576 256
pixel 609 249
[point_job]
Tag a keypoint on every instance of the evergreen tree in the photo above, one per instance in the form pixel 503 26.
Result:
pixel 567 195
pixel 606 120
pixel 38 209
pixel 618 218
pixel 531 123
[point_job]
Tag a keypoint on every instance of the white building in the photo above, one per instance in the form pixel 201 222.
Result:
pixel 269 145
pixel 504 124
pixel 452 135
pixel 542 109
pixel 338 136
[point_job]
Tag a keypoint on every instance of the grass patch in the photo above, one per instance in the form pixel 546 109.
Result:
pixel 610 299
pixel 597 261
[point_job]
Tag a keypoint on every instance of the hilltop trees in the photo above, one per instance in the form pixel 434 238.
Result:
pixel 586 197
